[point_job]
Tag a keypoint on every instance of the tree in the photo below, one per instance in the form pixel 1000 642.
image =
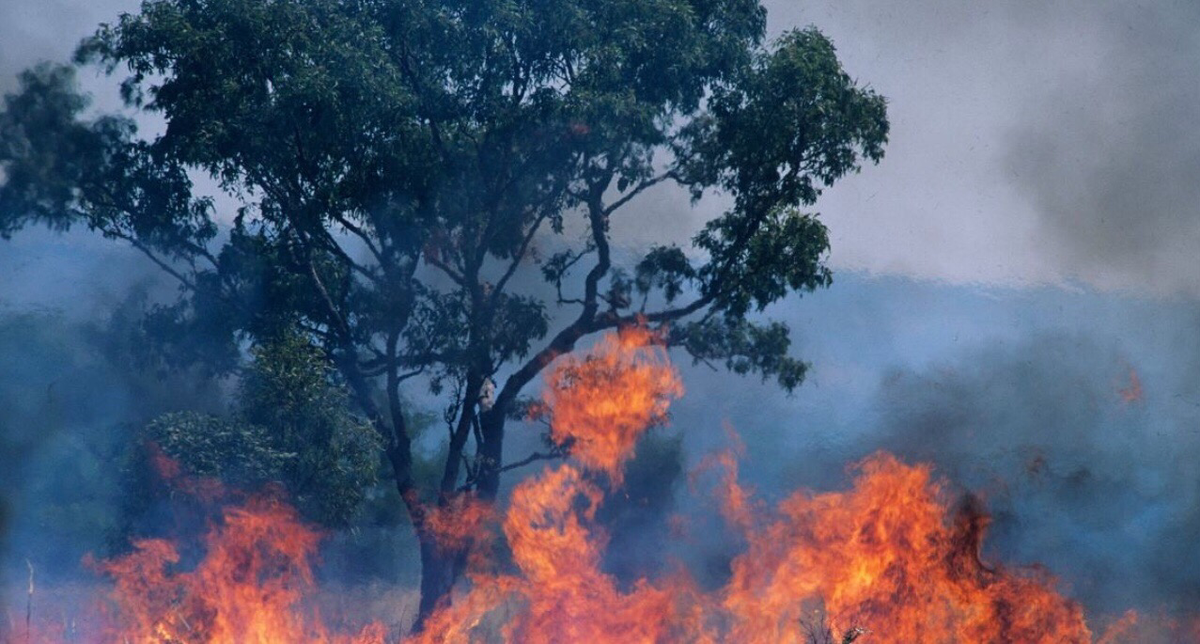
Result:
pixel 396 164
pixel 291 426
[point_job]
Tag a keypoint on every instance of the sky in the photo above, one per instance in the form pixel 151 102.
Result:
pixel 1028 241
pixel 1032 143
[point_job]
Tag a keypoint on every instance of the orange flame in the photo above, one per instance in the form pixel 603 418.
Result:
pixel 885 556
pixel 888 557
pixel 457 524
pixel 601 403
pixel 249 587
pixel 889 560
pixel 251 584
pixel 1133 393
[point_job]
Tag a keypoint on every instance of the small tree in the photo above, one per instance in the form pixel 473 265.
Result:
pixel 397 163
pixel 291 425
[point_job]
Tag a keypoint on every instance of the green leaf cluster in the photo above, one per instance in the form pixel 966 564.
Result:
pixel 291 427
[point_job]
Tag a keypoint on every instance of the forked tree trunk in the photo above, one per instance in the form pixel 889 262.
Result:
pixel 441 568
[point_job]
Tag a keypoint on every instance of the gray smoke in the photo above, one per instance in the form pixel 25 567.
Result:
pixel 1104 487
pixel 1041 142
pixel 1085 111
pixel 1109 153
pixel 31 32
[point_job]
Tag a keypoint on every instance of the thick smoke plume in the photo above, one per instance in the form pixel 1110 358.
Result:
pixel 1079 468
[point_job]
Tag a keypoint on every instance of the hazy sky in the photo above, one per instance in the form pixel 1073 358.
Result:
pixel 1032 142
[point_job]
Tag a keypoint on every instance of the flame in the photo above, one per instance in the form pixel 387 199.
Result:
pixel 249 587
pixel 892 559
pixel 887 555
pixel 598 405
pixel 458 523
pixel 560 593
pixel 889 559
pixel 1132 393
pixel 737 504
pixel 601 403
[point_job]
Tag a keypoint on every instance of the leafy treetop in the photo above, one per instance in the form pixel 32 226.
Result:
pixel 395 164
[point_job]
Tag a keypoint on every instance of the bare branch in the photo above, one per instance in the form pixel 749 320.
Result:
pixel 532 458
pixel 445 268
pixel 145 250
pixel 637 190
pixel 361 234
pixel 517 257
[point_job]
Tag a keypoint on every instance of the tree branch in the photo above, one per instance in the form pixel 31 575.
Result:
pixel 445 268
pixel 162 264
pixel 516 261
pixel 669 174
pixel 532 458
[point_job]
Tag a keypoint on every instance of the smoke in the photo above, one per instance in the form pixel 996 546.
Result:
pixel 31 32
pixel 1077 474
pixel 70 393
pixel 1109 153
pixel 1074 415
pixel 1031 140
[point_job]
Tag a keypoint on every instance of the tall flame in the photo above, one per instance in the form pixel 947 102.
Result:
pixel 601 404
pixel 890 560
pixel 887 560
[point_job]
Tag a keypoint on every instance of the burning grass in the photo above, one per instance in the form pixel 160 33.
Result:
pixel 892 559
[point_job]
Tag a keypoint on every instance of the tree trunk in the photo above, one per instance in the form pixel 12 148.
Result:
pixel 437 578
pixel 491 425
pixel 440 569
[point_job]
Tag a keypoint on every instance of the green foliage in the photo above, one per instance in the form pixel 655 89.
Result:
pixel 395 163
pixel 292 426
pixel 664 268
pixel 793 123
pixel 783 254
pixel 60 170
pixel 238 453
pixel 743 348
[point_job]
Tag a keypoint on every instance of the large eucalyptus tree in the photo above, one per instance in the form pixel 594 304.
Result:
pixel 395 166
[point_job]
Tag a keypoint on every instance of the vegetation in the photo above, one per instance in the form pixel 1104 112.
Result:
pixel 392 170
pixel 292 426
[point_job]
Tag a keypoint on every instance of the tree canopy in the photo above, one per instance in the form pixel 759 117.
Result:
pixel 398 166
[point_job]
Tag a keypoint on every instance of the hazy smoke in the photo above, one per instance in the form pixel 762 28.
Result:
pixel 1033 142
pixel 1086 109
pixel 1104 487
pixel 34 31
pixel 1109 152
